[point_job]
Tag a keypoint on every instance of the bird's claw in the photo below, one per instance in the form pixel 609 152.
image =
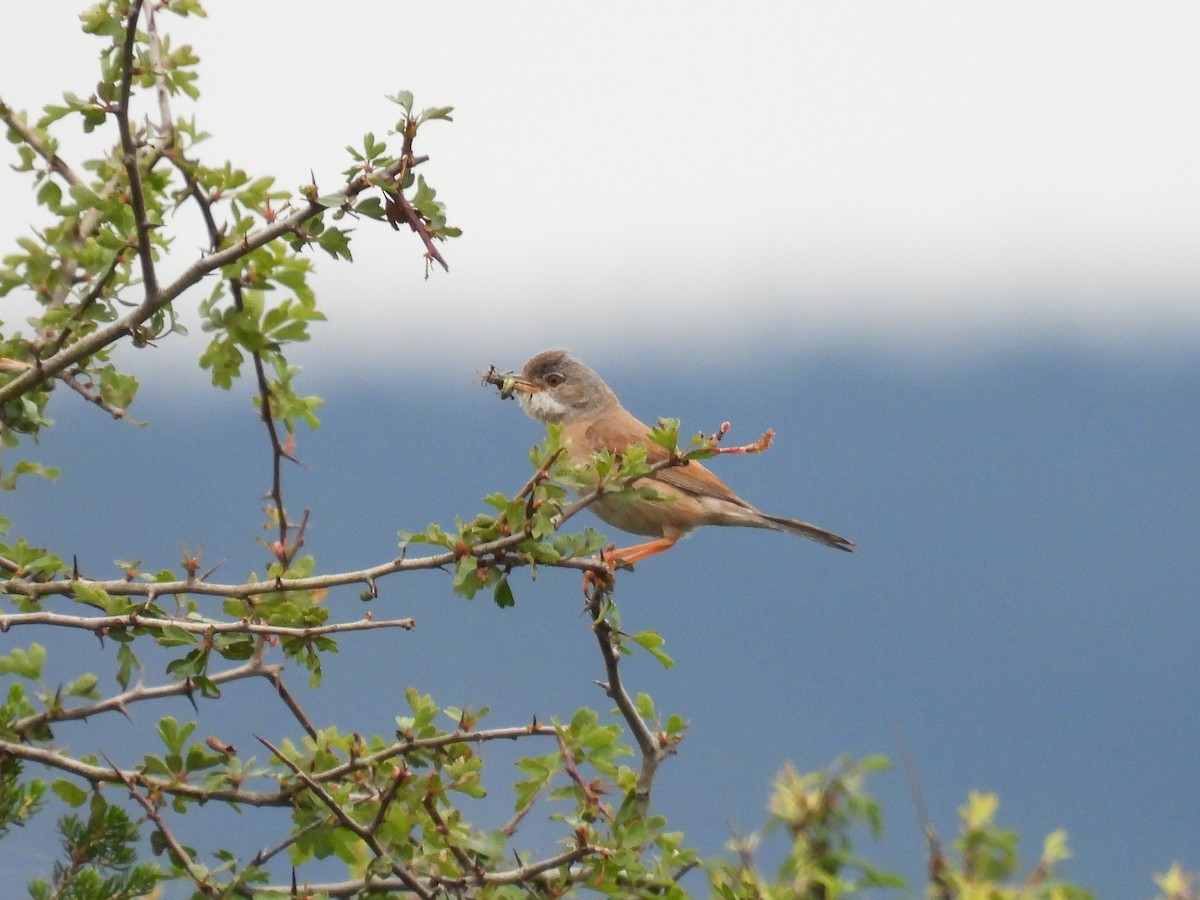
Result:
pixel 596 583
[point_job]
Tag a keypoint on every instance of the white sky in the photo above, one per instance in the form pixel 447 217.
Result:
pixel 920 178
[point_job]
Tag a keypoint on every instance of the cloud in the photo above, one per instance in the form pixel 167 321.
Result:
pixel 915 179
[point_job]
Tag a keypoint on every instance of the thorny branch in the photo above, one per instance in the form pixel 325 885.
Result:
pixel 529 873
pixel 266 414
pixel 178 851
pixel 284 796
pixel 122 702
pixel 397 198
pixel 87 391
pixel 138 157
pixel 361 831
pixel 503 548
pixel 654 748
pixel 155 301
pixel 102 625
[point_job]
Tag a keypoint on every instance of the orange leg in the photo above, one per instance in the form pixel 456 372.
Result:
pixel 625 557
pixel 638 552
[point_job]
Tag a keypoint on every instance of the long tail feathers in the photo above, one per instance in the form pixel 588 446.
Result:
pixel 812 532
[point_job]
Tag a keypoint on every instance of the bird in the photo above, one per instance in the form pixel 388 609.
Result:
pixel 555 387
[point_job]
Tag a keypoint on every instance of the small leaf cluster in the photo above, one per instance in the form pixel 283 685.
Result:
pixel 986 863
pixel 521 530
pixel 817 813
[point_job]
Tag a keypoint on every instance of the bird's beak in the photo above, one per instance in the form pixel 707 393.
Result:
pixel 522 385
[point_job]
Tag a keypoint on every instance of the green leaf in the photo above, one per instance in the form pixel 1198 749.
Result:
pixel 174 636
pixel 651 641
pixel 404 99
pixel 1054 848
pixel 24 661
pixel 436 112
pixel 645 706
pixel 83 686
pixel 93 596
pixel 676 724
pixel 126 663
pixel 173 734
pixel 503 594
pixel 116 388
pixel 666 434
pixel 335 242
pixel 70 793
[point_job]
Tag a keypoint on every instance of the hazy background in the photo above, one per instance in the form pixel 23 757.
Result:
pixel 949 251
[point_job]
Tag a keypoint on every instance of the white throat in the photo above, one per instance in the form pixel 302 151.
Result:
pixel 543 407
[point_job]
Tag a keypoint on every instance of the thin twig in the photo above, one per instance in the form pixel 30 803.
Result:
pixel 469 868
pixel 93 396
pixel 510 827
pixel 166 122
pixel 278 452
pixel 521 874
pixel 178 851
pixel 408 160
pixel 101 775
pixel 385 800
pixel 31 140
pixel 105 624
pixel 65 587
pixel 275 676
pixel 589 794
pixel 364 834
pixel 121 702
pixel 88 392
pixel 262 856
pixel 652 749
pixel 137 198
pixel 282 797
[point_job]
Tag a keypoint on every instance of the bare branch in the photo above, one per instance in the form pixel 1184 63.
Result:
pixel 102 775
pixel 529 872
pixel 368 576
pixel 282 797
pixel 103 624
pixel 120 702
pixel 274 674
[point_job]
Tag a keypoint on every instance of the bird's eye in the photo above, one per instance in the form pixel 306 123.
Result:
pixel 554 379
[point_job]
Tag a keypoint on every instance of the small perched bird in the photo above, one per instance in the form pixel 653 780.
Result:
pixel 556 387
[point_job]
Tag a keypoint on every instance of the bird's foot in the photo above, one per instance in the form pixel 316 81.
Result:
pixel 595 582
